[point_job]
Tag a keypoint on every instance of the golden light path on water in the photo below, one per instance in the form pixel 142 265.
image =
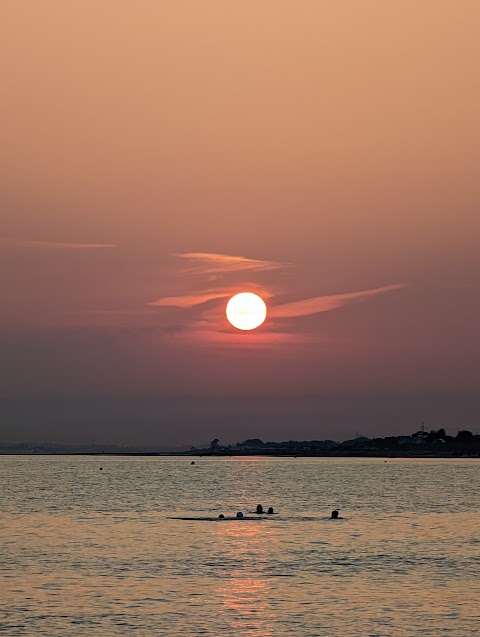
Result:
pixel 245 592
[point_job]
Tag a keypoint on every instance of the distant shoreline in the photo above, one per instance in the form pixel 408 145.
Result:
pixel 421 444
pixel 345 454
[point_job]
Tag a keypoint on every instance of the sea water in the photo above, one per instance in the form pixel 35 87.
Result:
pixel 95 551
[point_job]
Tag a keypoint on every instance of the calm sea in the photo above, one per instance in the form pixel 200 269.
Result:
pixel 86 551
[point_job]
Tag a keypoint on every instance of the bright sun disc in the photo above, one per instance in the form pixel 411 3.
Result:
pixel 246 311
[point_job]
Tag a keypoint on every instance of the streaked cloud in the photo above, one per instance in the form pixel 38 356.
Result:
pixel 187 301
pixel 55 245
pixel 320 304
pixel 213 263
pixel 205 311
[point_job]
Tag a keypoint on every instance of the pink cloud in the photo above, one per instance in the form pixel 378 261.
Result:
pixel 187 301
pixel 320 304
pixel 212 263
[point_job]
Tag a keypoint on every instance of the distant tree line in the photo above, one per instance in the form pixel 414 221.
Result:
pixel 419 443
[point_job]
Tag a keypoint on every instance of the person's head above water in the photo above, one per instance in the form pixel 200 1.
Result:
pixel 334 515
pixel 259 508
pixel 239 514
pixel 221 516
pixel 270 511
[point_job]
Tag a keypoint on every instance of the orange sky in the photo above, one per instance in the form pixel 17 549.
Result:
pixel 160 155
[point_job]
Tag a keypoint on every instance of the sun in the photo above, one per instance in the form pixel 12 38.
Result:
pixel 246 311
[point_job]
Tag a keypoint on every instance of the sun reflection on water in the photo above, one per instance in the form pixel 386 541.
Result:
pixel 244 605
pixel 244 594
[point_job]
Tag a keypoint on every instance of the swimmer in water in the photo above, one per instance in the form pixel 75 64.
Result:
pixel 239 514
pixel 334 516
pixel 270 511
pixel 259 510
pixel 221 516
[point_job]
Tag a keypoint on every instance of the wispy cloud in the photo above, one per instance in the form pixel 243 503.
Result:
pixel 187 301
pixel 320 304
pixel 55 245
pixel 212 263
pixel 200 309
pixel 213 267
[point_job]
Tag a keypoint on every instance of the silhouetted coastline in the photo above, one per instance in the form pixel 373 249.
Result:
pixel 421 444
pixel 434 443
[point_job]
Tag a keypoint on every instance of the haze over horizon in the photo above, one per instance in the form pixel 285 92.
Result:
pixel 162 156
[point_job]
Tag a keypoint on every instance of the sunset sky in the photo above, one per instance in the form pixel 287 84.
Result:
pixel 159 156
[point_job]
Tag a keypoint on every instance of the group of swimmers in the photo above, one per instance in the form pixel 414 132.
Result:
pixel 259 511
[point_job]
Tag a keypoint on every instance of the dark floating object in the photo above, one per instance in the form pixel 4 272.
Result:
pixel 239 514
pixel 270 511
pixel 101 468
pixel 259 510
pixel 221 516
pixel 192 462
